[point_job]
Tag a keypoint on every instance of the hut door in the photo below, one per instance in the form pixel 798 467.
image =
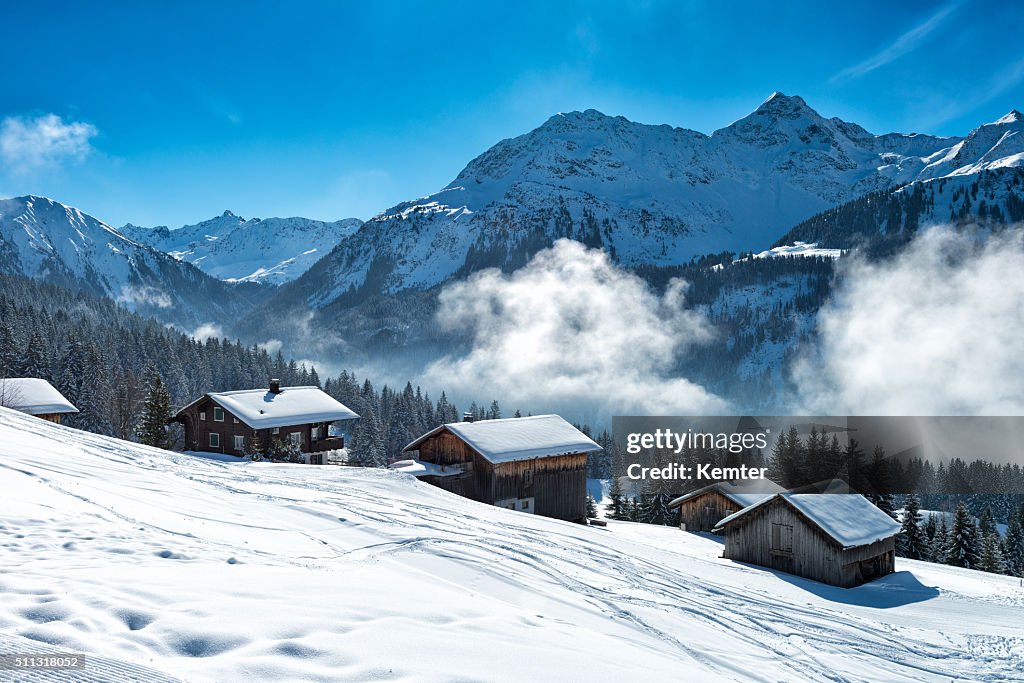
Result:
pixel 707 519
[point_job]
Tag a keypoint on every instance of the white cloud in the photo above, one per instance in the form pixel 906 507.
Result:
pixel 934 331
pixel 29 144
pixel 137 295
pixel 906 43
pixel 207 331
pixel 571 332
pixel 271 346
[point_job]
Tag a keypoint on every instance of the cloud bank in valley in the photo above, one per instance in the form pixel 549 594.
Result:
pixel 573 333
pixel 936 330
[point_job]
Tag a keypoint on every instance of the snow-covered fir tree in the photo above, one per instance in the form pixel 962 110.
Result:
pixel 911 541
pixel 156 412
pixel 963 548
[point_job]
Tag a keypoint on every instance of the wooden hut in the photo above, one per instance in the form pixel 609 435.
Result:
pixel 252 420
pixel 36 397
pixel 839 539
pixel 703 509
pixel 532 464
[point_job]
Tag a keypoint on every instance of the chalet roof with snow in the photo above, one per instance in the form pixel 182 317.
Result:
pixel 741 493
pixel 263 409
pixel 517 438
pixel 34 396
pixel 848 518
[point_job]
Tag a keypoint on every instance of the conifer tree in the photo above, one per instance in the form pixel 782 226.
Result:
pixel 617 504
pixel 911 541
pixel 156 413
pixel 991 559
pixel 962 549
pixel 591 507
pixel 940 545
pixel 1013 544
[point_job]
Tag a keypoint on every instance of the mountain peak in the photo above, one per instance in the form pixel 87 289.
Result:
pixel 779 103
pixel 227 214
pixel 1013 117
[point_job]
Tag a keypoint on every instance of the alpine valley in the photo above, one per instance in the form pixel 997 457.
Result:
pixel 716 210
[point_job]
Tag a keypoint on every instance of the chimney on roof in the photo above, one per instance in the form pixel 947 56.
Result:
pixel 467 417
pixel 275 386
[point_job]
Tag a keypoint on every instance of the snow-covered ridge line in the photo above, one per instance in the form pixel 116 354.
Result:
pixel 231 248
pixel 652 195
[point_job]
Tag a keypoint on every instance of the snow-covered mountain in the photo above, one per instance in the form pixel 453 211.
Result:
pixel 46 240
pixel 228 247
pixel 222 571
pixel 648 194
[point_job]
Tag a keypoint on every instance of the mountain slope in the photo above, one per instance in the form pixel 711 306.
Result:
pixel 224 570
pixel 46 240
pixel 652 195
pixel 992 196
pixel 272 250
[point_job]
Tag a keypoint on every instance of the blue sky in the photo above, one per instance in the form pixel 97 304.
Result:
pixel 169 113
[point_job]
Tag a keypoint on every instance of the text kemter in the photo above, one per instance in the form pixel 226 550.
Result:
pixel 703 471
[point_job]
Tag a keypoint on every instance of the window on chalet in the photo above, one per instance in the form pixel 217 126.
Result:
pixel 782 538
pixel 315 434
pixel 277 430
pixel 296 438
pixel 239 443
pixel 202 416
pixel 214 440
pixel 218 414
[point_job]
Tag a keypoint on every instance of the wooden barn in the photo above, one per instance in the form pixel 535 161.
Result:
pixel 532 464
pixel 703 509
pixel 251 420
pixel 36 397
pixel 839 539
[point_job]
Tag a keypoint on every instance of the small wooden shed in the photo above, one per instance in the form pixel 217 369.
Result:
pixel 532 464
pixel 703 509
pixel 36 397
pixel 839 539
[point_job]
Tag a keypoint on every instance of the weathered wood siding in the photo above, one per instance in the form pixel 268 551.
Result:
pixel 813 554
pixel 557 485
pixel 444 448
pixel 704 511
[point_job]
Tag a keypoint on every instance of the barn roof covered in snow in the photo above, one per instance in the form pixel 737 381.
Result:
pixel 262 409
pixel 849 518
pixel 33 396
pixel 517 438
pixel 742 493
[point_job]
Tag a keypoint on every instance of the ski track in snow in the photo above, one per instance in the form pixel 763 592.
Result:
pixel 658 590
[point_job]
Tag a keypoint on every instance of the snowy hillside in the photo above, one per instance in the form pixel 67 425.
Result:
pixel 44 239
pixel 228 247
pixel 228 571
pixel 991 197
pixel 651 195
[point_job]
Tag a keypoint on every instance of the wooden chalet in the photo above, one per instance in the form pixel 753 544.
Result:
pixel 36 397
pixel 532 464
pixel 839 539
pixel 703 509
pixel 251 421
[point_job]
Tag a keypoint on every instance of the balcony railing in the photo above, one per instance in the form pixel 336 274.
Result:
pixel 329 444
